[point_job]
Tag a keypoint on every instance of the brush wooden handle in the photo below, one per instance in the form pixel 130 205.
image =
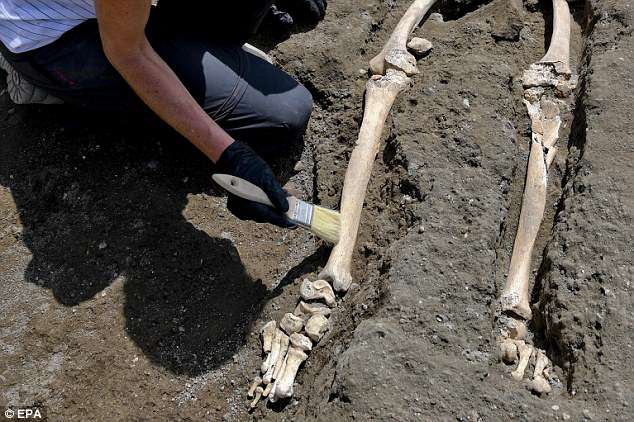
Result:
pixel 242 188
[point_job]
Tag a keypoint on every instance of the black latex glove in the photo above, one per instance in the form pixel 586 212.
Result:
pixel 312 10
pixel 279 19
pixel 241 161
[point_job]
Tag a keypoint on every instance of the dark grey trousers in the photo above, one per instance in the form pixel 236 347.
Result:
pixel 250 98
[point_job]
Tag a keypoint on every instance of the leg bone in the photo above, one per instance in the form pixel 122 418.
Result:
pixel 558 53
pixel 380 95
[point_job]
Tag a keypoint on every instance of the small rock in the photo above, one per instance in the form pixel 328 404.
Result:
pixel 421 229
pixel 466 104
pixel 587 414
pixel 103 245
pixel 555 407
pixel 420 46
pixel 299 167
pixel 565 416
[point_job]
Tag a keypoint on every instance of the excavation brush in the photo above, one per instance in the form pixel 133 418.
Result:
pixel 323 222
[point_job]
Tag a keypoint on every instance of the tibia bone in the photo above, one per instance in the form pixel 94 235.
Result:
pixel 394 54
pixel 316 327
pixel 284 388
pixel 319 290
pixel 291 324
pixel 545 124
pixel 379 96
pixel 525 352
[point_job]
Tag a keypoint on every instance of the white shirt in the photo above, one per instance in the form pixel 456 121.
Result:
pixel 28 24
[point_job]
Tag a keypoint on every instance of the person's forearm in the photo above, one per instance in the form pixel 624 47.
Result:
pixel 159 87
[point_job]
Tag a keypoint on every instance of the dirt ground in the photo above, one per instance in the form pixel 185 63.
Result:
pixel 129 292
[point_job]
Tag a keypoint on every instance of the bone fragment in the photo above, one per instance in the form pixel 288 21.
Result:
pixel 284 343
pixel 301 342
pixel 419 46
pixel 267 390
pixel 267 334
pixel 291 324
pixel 273 392
pixel 306 310
pixel 284 386
pixel 255 384
pixel 316 327
pixel 319 290
pixel 381 91
pixel 508 351
pixel 539 383
pixel 394 54
pixel 436 17
pixel 258 395
pixel 512 328
pixel 274 356
pixel 525 351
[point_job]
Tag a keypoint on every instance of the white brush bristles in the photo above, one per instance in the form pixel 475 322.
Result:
pixel 326 224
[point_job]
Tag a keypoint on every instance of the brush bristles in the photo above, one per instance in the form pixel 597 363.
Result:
pixel 326 224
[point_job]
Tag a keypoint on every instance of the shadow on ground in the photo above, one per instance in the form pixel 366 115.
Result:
pixel 101 197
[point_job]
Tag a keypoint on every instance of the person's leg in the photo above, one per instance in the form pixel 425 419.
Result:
pixel 75 69
pixel 251 99
pixel 274 110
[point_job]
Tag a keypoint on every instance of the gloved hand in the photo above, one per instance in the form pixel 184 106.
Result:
pixel 312 10
pixel 241 161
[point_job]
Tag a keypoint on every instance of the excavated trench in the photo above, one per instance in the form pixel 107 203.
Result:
pixel 138 327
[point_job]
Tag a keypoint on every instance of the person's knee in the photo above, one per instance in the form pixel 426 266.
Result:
pixel 295 110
